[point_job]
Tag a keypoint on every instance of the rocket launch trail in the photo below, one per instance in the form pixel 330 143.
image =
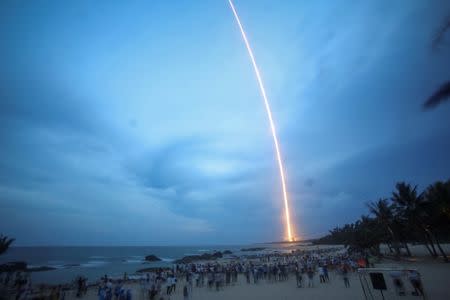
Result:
pixel 289 232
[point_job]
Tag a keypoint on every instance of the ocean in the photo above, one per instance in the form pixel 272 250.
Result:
pixel 95 262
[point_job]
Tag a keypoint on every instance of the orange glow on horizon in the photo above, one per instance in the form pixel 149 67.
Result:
pixel 289 232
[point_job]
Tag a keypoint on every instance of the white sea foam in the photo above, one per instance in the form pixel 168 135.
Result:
pixel 57 266
pixel 167 259
pixel 46 266
pixel 135 277
pixel 133 261
pixel 94 263
pixel 33 266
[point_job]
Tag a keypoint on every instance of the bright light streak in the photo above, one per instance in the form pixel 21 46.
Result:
pixel 272 125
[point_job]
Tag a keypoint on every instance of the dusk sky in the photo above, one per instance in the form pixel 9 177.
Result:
pixel 141 123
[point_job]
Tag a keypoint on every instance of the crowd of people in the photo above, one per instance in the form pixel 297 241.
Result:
pixel 15 282
pixel 270 268
pixel 110 289
pixel 19 285
pixel 309 268
pixel 159 284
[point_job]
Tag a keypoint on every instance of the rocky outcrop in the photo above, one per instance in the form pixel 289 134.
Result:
pixel 40 269
pixel 152 258
pixel 13 266
pixel 252 249
pixel 21 266
pixel 192 258
pixel 153 270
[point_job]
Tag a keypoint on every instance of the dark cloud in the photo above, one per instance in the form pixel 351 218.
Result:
pixel 344 189
pixel 40 126
pixel 41 103
pixel 99 124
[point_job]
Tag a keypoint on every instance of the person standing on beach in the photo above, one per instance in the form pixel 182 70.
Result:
pixel 117 289
pixel 414 278
pixel 255 275
pixel 169 285
pixel 190 282
pixel 310 277
pixel 185 293
pixel 101 293
pixel 298 276
pixel 210 279
pixel 174 283
pixel 217 279
pixel 158 285
pixel 345 276
pixel 153 292
pixel 234 273
pixel 398 282
pixel 321 274
pixel 325 271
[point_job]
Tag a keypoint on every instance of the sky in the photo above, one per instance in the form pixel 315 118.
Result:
pixel 141 122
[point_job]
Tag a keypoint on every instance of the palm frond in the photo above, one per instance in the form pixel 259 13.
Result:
pixel 5 242
pixel 439 96
pixel 440 33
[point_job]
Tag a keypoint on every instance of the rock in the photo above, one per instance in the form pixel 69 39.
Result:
pixel 252 249
pixel 251 256
pixel 227 252
pixel 41 269
pixel 205 256
pixel 13 266
pixel 153 270
pixel 152 258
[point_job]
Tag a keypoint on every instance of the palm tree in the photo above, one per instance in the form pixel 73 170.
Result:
pixel 438 212
pixel 408 216
pixel 5 242
pixel 368 235
pixel 383 212
pixel 410 210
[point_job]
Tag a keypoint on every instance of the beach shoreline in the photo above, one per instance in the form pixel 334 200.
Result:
pixel 433 272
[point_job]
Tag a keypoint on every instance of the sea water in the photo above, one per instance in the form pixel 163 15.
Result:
pixel 95 262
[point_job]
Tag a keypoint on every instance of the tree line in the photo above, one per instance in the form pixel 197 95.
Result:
pixel 407 217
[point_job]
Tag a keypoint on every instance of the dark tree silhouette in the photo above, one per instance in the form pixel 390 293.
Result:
pixel 383 212
pixel 437 212
pixel 443 92
pixel 440 95
pixel 408 205
pixel 439 36
pixel 5 242
pixel 409 216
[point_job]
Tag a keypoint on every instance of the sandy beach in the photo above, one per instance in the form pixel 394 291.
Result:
pixel 434 273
